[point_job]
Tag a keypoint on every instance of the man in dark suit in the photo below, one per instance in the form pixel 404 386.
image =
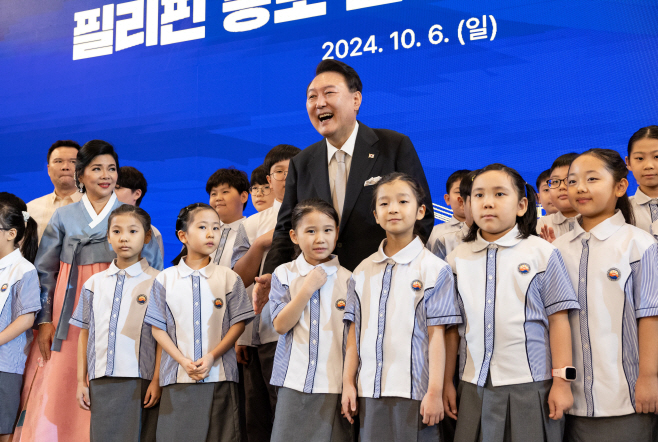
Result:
pixel 342 169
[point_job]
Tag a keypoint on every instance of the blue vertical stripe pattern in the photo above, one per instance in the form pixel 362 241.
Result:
pixel 196 309
pixel 238 304
pixel 282 359
pixel 240 246
pixel 313 341
pixel 159 315
pixel 646 287
pixel 114 319
pixel 381 326
pixel 584 329
pixel 489 313
pixel 91 341
pixel 420 373
pixel 279 296
pixel 630 349
pixel 653 207
pixel 222 244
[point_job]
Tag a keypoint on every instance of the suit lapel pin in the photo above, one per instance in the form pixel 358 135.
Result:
pixel 371 155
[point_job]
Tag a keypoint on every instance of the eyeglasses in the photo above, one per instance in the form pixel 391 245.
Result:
pixel 556 183
pixel 279 175
pixel 264 190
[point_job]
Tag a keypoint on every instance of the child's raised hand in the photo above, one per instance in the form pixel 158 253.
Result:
pixel 349 404
pixel 560 398
pixel 82 394
pixel 547 233
pixel 646 394
pixel 153 394
pixel 315 279
pixel 190 367
pixel 450 399
pixel 431 408
pixel 204 364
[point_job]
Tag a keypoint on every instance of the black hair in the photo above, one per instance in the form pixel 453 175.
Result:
pixel 416 188
pixel 62 143
pixel 134 211
pixel 454 177
pixel 278 153
pixel 132 179
pixel 466 184
pixel 542 178
pixel 235 178
pixel 645 132
pixel 259 176
pixel 562 161
pixel 309 206
pixel 615 164
pixel 527 223
pixel 86 155
pixel 349 74
pixel 185 216
pixel 12 210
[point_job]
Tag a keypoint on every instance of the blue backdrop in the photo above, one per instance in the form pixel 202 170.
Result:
pixel 183 88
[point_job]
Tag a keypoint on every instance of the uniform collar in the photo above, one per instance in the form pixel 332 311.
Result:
pixel 510 239
pixel 603 230
pixel 454 221
pixel 235 224
pixel 641 197
pixel 559 218
pixel 348 147
pixel 404 256
pixel 330 267
pixel 10 259
pixel 184 271
pixel 97 218
pixel 276 205
pixel 134 270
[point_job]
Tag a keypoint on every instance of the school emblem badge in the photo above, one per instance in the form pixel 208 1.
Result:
pixel 614 274
pixel 4 287
pixel 416 285
pixel 141 299
pixel 524 268
pixel 340 304
pixel 218 303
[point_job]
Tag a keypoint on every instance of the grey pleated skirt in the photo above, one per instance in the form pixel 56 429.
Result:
pixel 117 412
pixel 631 428
pixel 393 419
pixel 203 412
pixel 304 417
pixel 10 400
pixel 511 413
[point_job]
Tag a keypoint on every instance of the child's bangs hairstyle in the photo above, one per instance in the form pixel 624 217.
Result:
pixel 454 177
pixel 278 153
pixel 185 217
pixel 259 176
pixel 235 178
pixel 645 132
pixel 417 190
pixel 527 223
pixel 466 184
pixel 615 164
pixel 132 179
pixel 86 155
pixel 309 206
pixel 13 211
pixel 543 178
pixel 136 212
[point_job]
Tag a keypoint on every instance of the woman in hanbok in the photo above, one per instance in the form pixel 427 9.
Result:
pixel 73 248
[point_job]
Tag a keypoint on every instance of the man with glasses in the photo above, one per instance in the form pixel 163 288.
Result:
pixel 557 224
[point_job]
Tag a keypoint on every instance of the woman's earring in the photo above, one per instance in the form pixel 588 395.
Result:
pixel 81 188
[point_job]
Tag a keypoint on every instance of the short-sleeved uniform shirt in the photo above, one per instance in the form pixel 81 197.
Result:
pixel 439 230
pixel 196 308
pixel 224 253
pixel 507 289
pixel 112 306
pixel 614 270
pixel 392 301
pixel 558 222
pixel 309 358
pixel 19 295
pixel 448 242
pixel 260 330
pixel 645 210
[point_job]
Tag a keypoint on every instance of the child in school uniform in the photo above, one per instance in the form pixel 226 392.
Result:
pixel 118 359
pixel 257 345
pixel 197 311
pixel 642 160
pixel 451 198
pixel 613 266
pixel 262 196
pixel 448 241
pixel 544 193
pixel 19 302
pixel 557 224
pixel 398 302
pixel 514 295
pixel 308 298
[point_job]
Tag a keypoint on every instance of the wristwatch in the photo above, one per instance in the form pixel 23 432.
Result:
pixel 566 373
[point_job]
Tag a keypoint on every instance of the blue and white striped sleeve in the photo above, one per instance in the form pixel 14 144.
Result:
pixel 557 291
pixel 352 305
pixel 240 246
pixel 82 315
pixel 26 296
pixel 440 301
pixel 239 305
pixel 279 295
pixel 156 311
pixel 646 276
